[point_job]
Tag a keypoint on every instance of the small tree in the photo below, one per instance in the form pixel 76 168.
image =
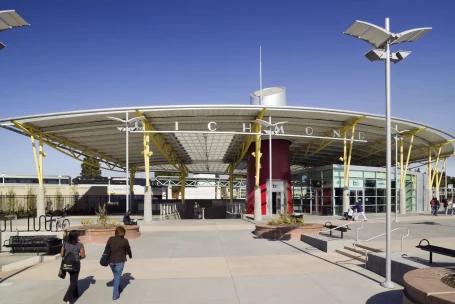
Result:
pixel 59 200
pixel 31 200
pixel 75 194
pixel 90 167
pixel 11 201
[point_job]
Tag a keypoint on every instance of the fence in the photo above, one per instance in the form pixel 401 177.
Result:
pixel 25 205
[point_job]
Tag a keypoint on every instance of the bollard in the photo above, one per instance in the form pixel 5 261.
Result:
pixel 203 213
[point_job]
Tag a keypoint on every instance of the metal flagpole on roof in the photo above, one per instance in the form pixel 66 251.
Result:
pixel 260 73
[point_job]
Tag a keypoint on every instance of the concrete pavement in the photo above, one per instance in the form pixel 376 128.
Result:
pixel 215 264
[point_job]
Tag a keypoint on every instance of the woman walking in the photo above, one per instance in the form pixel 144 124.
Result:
pixel 120 247
pixel 72 250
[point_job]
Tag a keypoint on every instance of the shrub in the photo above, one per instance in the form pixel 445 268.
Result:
pixel 102 216
pixel 31 200
pixel 87 222
pixel 288 220
pixel 59 199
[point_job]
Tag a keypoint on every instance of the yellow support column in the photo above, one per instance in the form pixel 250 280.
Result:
pixel 257 188
pixel 430 186
pixel 345 175
pixel 148 190
pixel 183 182
pixel 403 170
pixel 231 186
pixel 38 156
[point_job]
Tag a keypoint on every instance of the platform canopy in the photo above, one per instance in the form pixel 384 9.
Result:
pixel 92 133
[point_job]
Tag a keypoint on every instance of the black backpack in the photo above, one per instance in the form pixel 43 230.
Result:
pixel 70 262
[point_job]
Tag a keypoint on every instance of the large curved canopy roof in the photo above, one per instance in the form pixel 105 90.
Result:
pixel 92 133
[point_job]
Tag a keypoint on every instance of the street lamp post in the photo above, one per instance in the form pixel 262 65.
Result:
pixel 109 189
pixel 382 39
pixel 3 177
pixel 59 178
pixel 127 123
pixel 269 125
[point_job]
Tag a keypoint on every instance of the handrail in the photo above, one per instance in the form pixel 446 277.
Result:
pixel 353 223
pixel 375 237
pixel 10 225
pixel 39 223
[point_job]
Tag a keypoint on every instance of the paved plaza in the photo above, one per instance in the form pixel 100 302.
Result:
pixel 206 262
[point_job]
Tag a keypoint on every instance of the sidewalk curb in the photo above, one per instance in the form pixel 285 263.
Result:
pixel 29 262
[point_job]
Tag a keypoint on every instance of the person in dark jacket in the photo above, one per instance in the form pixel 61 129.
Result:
pixel 72 244
pixel 127 219
pixel 359 211
pixel 120 247
pixel 436 206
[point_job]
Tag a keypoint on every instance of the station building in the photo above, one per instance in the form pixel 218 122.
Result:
pixel 293 159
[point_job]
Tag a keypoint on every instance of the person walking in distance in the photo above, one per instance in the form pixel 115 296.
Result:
pixel 359 211
pixel 445 203
pixel 120 247
pixel 72 252
pixel 436 206
pixel 432 206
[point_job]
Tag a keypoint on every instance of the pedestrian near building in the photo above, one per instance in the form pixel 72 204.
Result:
pixel 432 206
pixel 359 211
pixel 120 247
pixel 436 206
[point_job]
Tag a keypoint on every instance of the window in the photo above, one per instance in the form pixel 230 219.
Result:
pixel 354 173
pixel 338 191
pixel 370 174
pixel 370 200
pixel 370 192
pixel 338 172
pixel 328 173
pixel 370 183
pixel 381 192
pixel 381 175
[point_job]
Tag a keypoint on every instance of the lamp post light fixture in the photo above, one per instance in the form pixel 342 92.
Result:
pixel 10 19
pixel 127 127
pixel 382 39
pixel 270 127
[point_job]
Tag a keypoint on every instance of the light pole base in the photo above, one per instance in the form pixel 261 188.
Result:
pixel 388 284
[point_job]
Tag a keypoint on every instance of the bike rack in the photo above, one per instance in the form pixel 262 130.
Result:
pixel 49 229
pixel 4 225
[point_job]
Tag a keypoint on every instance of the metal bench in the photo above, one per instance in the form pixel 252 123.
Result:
pixel 435 249
pixel 332 227
pixel 49 244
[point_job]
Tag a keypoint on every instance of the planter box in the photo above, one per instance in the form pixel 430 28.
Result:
pixel 286 232
pixel 100 236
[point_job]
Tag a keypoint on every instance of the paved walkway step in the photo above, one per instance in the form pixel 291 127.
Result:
pixel 352 255
pixel 369 248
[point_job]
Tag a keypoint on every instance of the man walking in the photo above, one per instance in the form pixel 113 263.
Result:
pixel 359 211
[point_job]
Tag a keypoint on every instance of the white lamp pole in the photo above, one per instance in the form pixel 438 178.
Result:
pixel 127 161
pixel 270 210
pixel 3 177
pixel 59 177
pixel 382 39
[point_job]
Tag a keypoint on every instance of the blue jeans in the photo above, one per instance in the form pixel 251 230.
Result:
pixel 117 269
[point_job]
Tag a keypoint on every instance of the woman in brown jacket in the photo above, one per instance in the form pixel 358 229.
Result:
pixel 120 247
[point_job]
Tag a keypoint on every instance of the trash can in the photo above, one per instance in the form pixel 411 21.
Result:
pixel 53 245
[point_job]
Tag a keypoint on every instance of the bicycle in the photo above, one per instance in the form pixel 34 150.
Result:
pixel 62 223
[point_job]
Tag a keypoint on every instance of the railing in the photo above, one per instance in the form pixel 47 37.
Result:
pixel 353 223
pixel 167 210
pixel 235 208
pixel 375 237
pixel 4 224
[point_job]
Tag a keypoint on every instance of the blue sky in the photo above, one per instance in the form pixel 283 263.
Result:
pixel 96 54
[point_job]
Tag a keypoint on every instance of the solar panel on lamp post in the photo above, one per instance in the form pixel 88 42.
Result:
pixel 270 126
pixel 10 19
pixel 382 39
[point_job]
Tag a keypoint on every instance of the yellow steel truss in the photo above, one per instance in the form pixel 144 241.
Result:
pixel 165 148
pixel 244 146
pixel 231 185
pixel 320 144
pixel 71 149
pixel 424 150
pixel 378 146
